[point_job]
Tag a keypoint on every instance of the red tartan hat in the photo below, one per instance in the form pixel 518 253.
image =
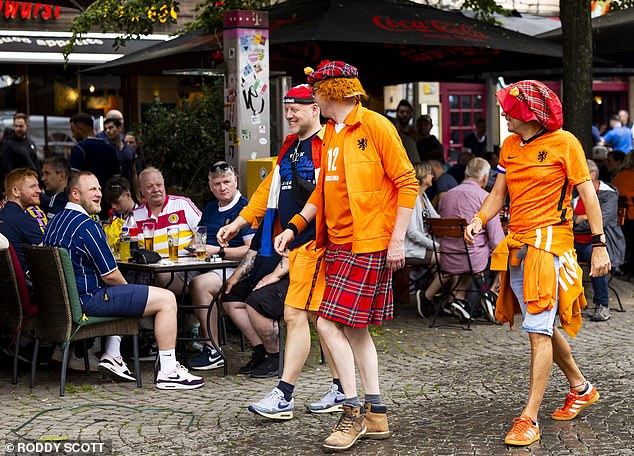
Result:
pixel 331 69
pixel 532 100
pixel 299 94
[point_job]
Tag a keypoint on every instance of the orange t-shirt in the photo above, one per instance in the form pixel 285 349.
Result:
pixel 540 176
pixel 336 200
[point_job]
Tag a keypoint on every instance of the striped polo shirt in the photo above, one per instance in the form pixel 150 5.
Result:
pixel 74 230
pixel 177 211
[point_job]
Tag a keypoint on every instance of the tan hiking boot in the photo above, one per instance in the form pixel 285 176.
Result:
pixel 350 427
pixel 376 422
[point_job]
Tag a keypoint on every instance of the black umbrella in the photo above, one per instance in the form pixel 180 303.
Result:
pixel 395 41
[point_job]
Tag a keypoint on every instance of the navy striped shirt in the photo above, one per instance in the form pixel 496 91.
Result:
pixel 86 243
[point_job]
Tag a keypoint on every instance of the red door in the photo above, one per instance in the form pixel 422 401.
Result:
pixel 462 104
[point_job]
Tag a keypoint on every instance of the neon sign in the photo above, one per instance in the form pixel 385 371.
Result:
pixel 10 9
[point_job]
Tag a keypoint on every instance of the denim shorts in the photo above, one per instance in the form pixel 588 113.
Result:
pixel 543 322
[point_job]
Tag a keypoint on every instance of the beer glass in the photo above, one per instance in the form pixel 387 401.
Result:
pixel 148 235
pixel 172 242
pixel 200 241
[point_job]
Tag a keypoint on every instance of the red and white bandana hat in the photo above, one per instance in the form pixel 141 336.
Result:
pixel 532 100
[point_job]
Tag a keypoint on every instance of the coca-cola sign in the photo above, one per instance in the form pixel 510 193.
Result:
pixel 10 9
pixel 437 29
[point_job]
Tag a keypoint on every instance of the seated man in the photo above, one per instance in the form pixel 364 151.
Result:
pixel 117 194
pixel 462 202
pixel 223 183
pixel 23 191
pixel 608 201
pixel 104 292
pixel 254 299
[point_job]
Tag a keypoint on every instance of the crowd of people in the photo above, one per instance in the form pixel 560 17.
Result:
pixel 344 210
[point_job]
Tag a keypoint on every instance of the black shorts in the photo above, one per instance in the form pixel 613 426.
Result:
pixel 267 301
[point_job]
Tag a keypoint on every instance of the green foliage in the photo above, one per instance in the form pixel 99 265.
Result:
pixel 209 15
pixel 184 140
pixel 130 18
pixel 484 10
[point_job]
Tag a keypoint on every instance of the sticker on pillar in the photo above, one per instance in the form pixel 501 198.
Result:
pixel 232 152
pixel 257 38
pixel 232 135
pixel 246 135
pixel 257 67
pixel 256 84
pixel 263 173
pixel 254 57
pixel 231 53
pixel 247 70
pixel 261 39
pixel 245 43
pixel 262 129
pixel 255 120
pixel 263 141
pixel 263 89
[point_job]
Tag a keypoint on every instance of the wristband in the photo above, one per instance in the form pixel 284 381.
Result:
pixel 600 244
pixel 598 238
pixel 221 253
pixel 299 222
pixel 291 226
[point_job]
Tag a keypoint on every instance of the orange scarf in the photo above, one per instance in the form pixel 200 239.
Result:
pixel 540 286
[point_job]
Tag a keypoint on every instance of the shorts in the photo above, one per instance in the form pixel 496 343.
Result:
pixel 358 287
pixel 307 277
pixel 267 301
pixel 118 301
pixel 543 322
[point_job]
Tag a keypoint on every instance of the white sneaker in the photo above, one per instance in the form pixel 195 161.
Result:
pixel 115 368
pixel 75 363
pixel 179 378
pixel 274 406
pixel 331 402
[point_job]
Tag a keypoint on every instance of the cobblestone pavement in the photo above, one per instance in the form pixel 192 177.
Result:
pixel 449 392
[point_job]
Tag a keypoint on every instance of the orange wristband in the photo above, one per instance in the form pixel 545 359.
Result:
pixel 299 221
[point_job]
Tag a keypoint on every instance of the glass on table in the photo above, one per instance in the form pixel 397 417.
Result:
pixel 200 242
pixel 172 242
pixel 148 235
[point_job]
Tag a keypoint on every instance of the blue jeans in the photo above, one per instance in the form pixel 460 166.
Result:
pixel 599 284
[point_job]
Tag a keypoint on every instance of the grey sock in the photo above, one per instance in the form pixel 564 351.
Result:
pixel 374 399
pixel 352 401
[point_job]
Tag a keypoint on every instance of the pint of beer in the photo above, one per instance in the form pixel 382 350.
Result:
pixel 172 243
pixel 148 235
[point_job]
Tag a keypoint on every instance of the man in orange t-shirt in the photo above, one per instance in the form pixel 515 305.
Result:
pixel 539 165
pixel 362 205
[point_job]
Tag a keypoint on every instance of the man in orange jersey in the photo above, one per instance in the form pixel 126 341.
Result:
pixel 539 165
pixel 362 205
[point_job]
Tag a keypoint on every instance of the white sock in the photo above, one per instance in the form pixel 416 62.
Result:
pixel 168 360
pixel 113 346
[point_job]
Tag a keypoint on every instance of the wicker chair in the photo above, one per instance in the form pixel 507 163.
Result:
pixel 60 317
pixel 15 306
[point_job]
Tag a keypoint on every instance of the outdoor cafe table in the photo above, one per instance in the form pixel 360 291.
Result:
pixel 186 265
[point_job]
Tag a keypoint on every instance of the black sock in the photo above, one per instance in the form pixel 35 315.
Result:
pixel 586 388
pixel 287 389
pixel 259 351
pixel 272 355
pixel 337 382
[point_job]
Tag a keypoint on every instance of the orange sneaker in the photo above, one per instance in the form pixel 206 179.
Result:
pixel 576 403
pixel 523 433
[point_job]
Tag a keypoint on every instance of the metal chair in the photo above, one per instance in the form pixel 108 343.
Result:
pixel 60 317
pixel 15 304
pixel 454 228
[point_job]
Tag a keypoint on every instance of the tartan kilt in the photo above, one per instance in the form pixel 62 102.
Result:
pixel 358 287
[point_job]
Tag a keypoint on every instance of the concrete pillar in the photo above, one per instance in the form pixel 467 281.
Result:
pixel 247 89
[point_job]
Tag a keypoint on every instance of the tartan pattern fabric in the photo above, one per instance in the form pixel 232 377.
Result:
pixel 332 69
pixel 532 100
pixel 358 287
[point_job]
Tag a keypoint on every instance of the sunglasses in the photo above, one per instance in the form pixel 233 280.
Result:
pixel 223 166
